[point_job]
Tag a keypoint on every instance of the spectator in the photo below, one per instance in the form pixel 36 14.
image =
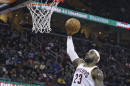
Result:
pixel 25 61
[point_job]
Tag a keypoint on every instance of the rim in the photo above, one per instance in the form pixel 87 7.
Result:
pixel 42 4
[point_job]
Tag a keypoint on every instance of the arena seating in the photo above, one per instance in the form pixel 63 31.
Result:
pixel 37 58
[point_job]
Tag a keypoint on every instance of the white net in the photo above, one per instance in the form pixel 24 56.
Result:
pixel 41 15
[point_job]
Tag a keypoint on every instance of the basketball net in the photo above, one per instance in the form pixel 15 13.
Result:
pixel 41 15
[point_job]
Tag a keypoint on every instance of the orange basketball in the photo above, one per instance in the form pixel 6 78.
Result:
pixel 7 1
pixel 72 26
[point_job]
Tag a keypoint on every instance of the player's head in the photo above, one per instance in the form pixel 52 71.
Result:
pixel 93 56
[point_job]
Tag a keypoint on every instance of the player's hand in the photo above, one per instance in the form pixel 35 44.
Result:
pixel 70 32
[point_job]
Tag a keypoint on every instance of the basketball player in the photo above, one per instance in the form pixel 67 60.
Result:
pixel 87 73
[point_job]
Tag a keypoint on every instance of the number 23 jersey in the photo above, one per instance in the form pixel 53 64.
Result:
pixel 82 76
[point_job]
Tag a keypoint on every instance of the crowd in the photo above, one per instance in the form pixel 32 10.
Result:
pixel 111 9
pixel 41 58
pixel 117 10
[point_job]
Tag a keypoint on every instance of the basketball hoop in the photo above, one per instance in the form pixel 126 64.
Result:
pixel 41 15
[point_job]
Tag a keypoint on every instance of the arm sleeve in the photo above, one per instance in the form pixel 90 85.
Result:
pixel 70 49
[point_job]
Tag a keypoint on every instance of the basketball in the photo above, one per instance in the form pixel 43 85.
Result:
pixel 72 26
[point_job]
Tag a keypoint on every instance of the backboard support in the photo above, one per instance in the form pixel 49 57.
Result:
pixel 5 8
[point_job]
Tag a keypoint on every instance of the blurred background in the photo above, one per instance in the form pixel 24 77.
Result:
pixel 35 58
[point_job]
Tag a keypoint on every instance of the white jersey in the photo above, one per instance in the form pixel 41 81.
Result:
pixel 82 76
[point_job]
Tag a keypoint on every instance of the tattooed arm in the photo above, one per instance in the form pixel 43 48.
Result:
pixel 98 77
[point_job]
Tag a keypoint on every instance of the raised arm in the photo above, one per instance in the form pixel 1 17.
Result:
pixel 72 53
pixel 98 77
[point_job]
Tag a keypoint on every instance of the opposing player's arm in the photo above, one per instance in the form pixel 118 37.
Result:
pixel 72 53
pixel 98 77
